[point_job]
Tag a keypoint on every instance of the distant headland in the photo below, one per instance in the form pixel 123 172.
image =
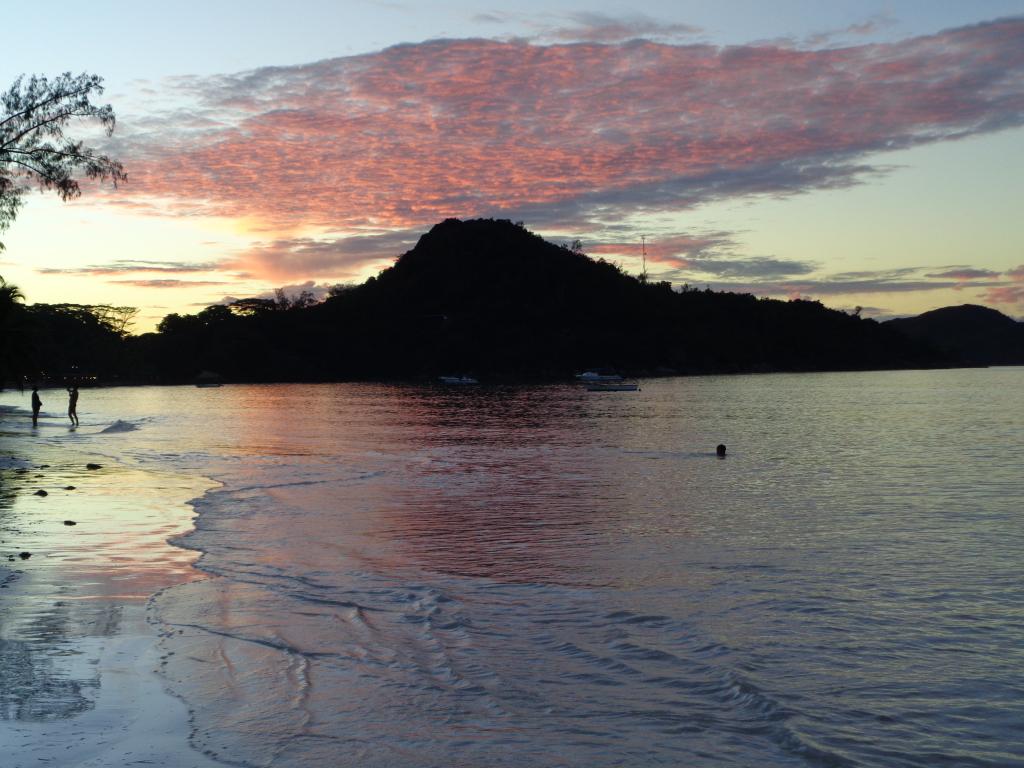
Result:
pixel 491 299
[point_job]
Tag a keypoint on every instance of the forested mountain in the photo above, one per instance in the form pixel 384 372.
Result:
pixel 976 335
pixel 492 299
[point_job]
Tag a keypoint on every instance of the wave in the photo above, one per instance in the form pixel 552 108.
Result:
pixel 119 426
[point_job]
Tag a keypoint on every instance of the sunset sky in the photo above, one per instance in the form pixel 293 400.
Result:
pixel 861 153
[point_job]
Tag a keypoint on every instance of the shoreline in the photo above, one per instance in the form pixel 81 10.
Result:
pixel 501 379
pixel 79 654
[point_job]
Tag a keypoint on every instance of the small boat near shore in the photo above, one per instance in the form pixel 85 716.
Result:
pixel 457 380
pixel 594 376
pixel 209 379
pixel 613 386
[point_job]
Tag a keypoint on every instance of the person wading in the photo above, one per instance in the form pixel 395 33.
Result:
pixel 73 405
pixel 36 405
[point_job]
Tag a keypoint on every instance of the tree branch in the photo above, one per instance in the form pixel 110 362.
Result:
pixel 55 97
pixel 61 116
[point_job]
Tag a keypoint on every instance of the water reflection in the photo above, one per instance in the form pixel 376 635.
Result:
pixel 489 480
pixel 61 605
pixel 45 671
pixel 538 576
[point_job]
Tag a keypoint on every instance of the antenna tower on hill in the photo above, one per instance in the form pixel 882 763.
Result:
pixel 643 255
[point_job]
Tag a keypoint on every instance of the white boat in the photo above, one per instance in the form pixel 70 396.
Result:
pixel 208 379
pixel 588 376
pixel 457 380
pixel 613 386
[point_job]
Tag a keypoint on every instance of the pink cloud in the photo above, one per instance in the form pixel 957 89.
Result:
pixel 558 133
pixel 340 258
pixel 1006 295
pixel 170 283
pixel 674 250
pixel 1011 295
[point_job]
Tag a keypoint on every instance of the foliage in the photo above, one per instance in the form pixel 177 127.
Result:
pixel 13 342
pixel 481 297
pixel 973 334
pixel 115 319
pixel 77 342
pixel 284 302
pixel 491 298
pixel 340 289
pixel 249 307
pixel 34 150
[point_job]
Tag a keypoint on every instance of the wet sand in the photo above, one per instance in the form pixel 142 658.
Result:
pixel 78 658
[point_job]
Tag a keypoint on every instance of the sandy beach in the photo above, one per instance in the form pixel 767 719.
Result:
pixel 78 658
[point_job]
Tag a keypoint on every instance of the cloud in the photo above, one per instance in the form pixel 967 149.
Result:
pixel 892 281
pixel 759 267
pixel 1009 295
pixel 871 26
pixel 833 287
pixel 319 292
pixel 170 283
pixel 581 133
pixel 676 250
pixel 130 266
pixel 1006 295
pixel 590 26
pixel 689 255
pixel 342 257
pixel 888 275
pixel 489 18
pixel 601 28
pixel 964 273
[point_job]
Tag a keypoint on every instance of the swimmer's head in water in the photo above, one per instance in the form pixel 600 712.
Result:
pixel 720 450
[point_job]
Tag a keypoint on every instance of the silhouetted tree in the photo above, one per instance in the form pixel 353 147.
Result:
pixel 283 301
pixel 249 307
pixel 77 341
pixel 34 150
pixel 340 289
pixel 13 342
pixel 114 319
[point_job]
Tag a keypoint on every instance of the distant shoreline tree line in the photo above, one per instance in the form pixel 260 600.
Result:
pixel 483 297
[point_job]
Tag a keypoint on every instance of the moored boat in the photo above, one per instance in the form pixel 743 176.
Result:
pixel 588 376
pixel 613 386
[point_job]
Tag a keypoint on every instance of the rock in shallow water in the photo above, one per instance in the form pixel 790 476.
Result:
pixel 40 492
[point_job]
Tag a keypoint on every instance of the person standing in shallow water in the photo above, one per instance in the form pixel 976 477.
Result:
pixel 73 405
pixel 36 405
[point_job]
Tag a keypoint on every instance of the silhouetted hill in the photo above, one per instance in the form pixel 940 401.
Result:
pixel 492 299
pixel 976 335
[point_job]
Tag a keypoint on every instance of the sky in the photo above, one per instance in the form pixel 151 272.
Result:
pixel 864 154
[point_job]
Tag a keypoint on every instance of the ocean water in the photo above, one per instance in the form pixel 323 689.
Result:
pixel 540 576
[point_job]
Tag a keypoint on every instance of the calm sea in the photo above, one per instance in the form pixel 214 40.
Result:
pixel 541 576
